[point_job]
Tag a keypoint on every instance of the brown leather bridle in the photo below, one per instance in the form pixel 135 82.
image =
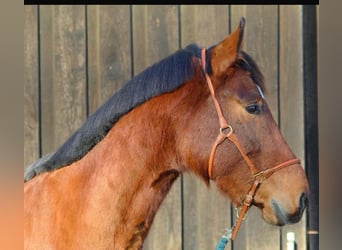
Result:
pixel 226 132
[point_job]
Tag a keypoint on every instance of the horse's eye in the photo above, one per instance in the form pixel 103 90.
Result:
pixel 253 109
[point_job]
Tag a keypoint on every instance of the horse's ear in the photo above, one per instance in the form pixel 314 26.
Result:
pixel 224 54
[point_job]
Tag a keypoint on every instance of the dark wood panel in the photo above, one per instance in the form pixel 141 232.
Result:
pixel 109 51
pixel 291 96
pixel 63 73
pixel 206 211
pixel 155 36
pixel 31 85
pixel 261 42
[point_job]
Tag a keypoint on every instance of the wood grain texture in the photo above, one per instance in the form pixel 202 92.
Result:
pixel 109 51
pixel 206 211
pixel 260 41
pixel 291 96
pixel 63 73
pixel 155 36
pixel 205 25
pixel 31 85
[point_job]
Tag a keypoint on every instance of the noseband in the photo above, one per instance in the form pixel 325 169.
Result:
pixel 226 132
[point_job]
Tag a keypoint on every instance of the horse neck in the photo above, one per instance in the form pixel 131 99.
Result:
pixel 134 166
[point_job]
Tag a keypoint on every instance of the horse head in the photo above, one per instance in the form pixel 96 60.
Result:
pixel 235 124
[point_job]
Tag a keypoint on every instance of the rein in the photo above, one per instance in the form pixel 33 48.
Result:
pixel 226 132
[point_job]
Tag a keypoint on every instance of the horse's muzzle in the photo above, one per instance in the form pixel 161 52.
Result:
pixel 284 217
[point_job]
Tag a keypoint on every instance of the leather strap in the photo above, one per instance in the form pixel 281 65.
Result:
pixel 259 176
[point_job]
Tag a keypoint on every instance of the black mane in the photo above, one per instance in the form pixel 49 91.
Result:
pixel 162 77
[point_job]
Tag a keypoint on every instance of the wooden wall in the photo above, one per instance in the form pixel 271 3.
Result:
pixel 78 56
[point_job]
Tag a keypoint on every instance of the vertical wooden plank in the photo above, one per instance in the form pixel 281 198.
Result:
pixel 109 51
pixel 155 34
pixel 261 42
pixel 206 211
pixel 205 25
pixel 63 73
pixel 291 96
pixel 31 85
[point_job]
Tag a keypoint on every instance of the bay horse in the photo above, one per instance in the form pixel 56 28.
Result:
pixel 198 110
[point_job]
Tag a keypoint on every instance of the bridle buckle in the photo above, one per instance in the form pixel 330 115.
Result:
pixel 260 177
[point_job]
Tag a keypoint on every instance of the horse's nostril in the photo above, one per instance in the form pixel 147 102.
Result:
pixel 303 201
